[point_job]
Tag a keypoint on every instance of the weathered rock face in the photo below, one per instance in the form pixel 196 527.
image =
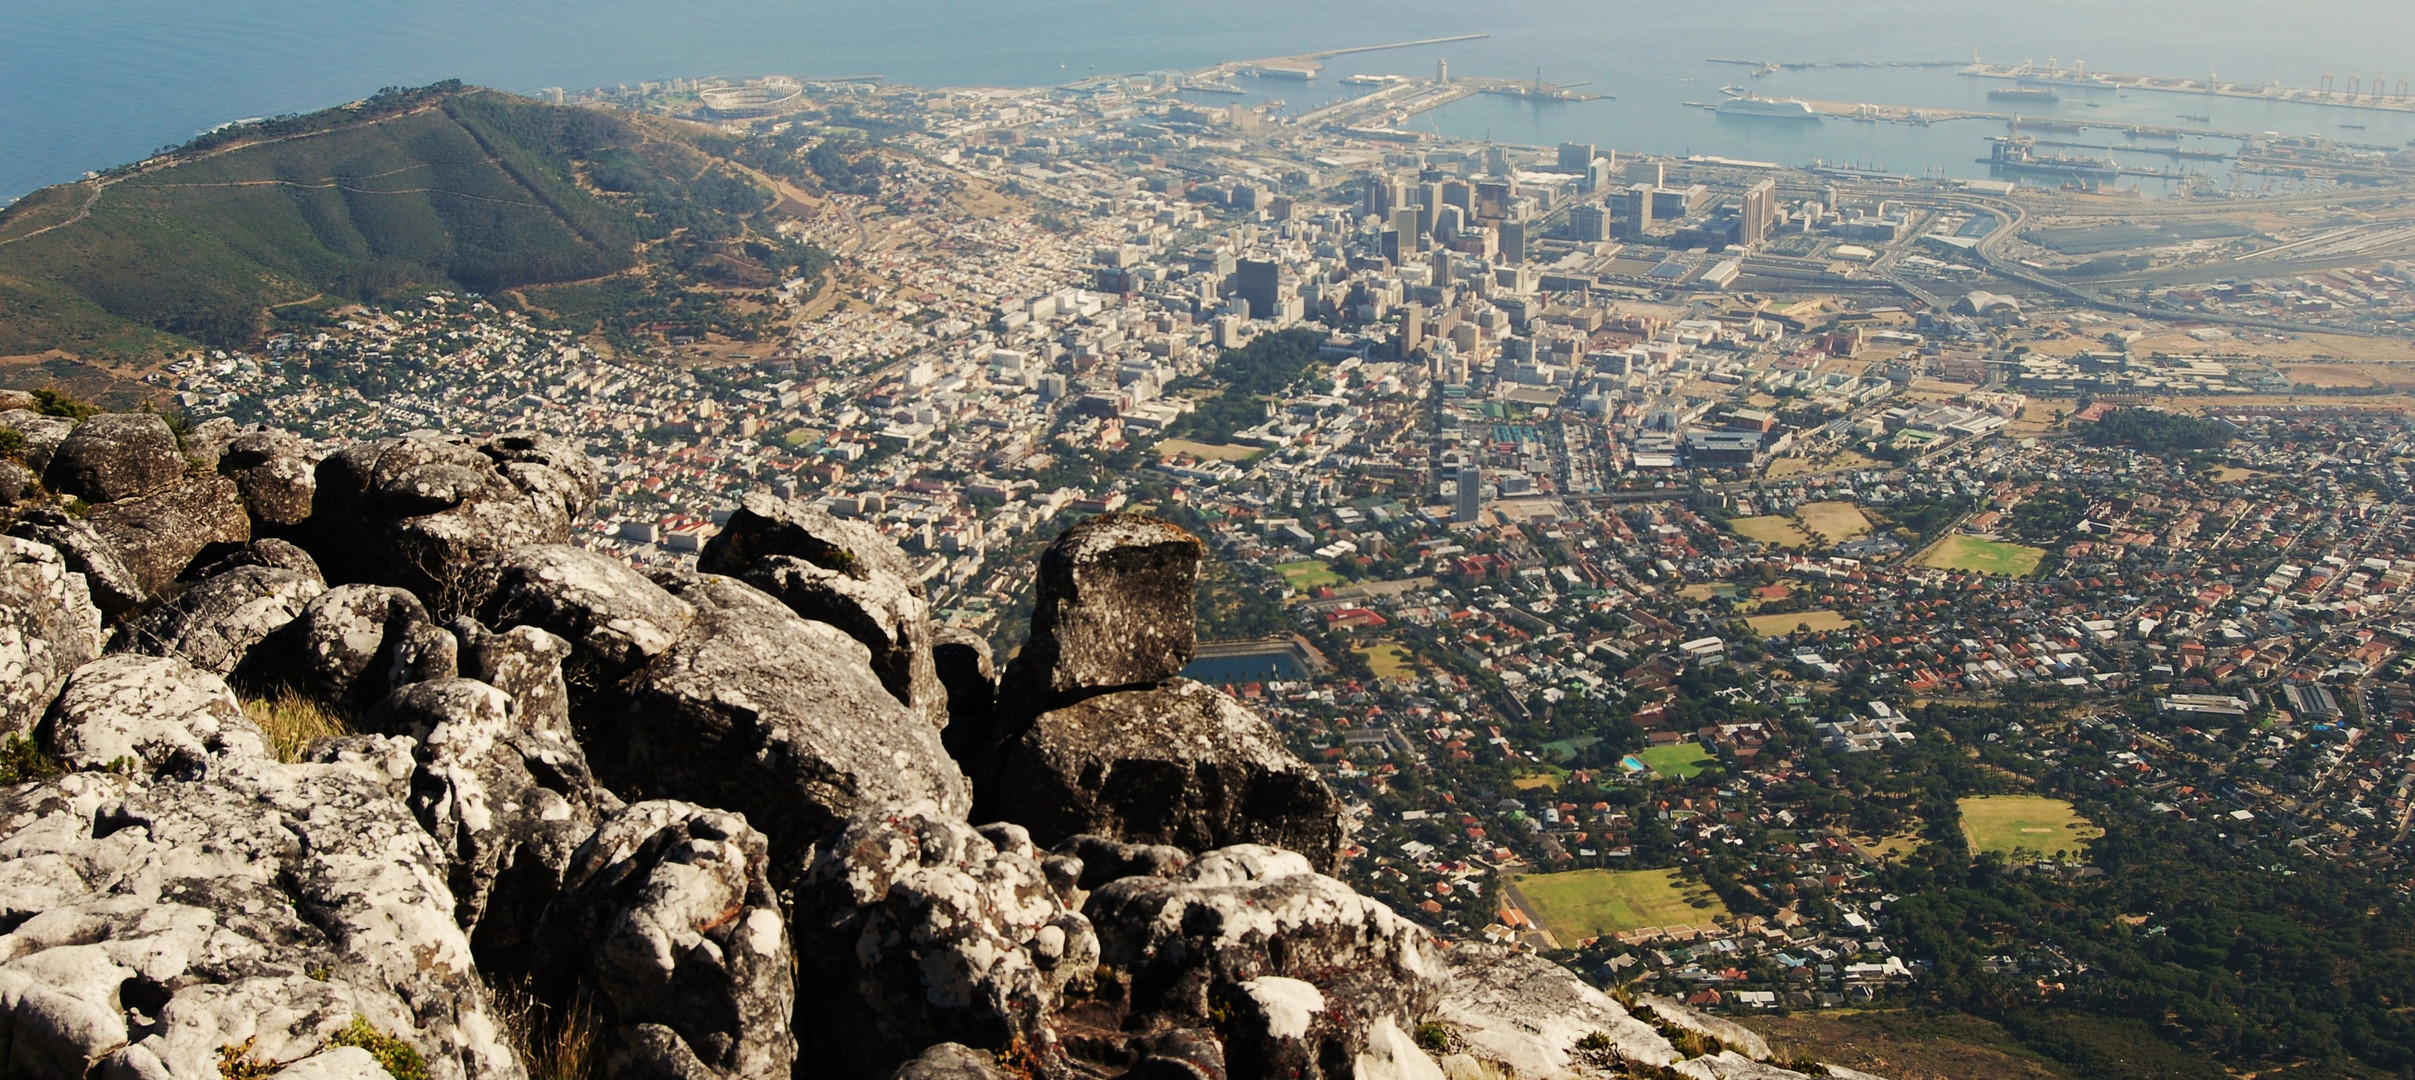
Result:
pixel 845 573
pixel 113 587
pixel 216 623
pixel 1182 764
pixel 667 922
pixel 115 456
pixel 43 434
pixel 613 617
pixel 163 715
pixel 524 662
pixel 274 471
pixel 1523 1012
pixel 48 628
pixel 425 513
pixel 922 929
pixel 507 804
pixel 152 924
pixel 161 535
pixel 970 675
pixel 17 482
pixel 760 711
pixel 341 647
pixel 1114 607
pixel 951 1061
pixel 1302 968
pixel 1104 860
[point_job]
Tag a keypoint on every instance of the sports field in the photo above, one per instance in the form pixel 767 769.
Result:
pixel 1209 451
pixel 1389 661
pixel 1835 522
pixel 1307 574
pixel 2031 823
pixel 1772 625
pixel 1584 904
pixel 1770 529
pixel 1684 760
pixel 1962 551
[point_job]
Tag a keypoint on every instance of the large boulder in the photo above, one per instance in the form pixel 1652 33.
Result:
pixel 42 434
pixel 923 929
pixel 48 628
pixel 115 456
pixel 526 663
pixel 614 618
pixel 275 472
pixel 1521 1011
pixel 160 715
pixel 1113 608
pixel 668 926
pixel 1182 764
pixel 952 1061
pixel 845 573
pixel 161 535
pixel 237 604
pixel 112 584
pixel 760 711
pixel 967 671
pixel 1294 968
pixel 424 513
pixel 17 483
pixel 341 648
pixel 506 802
pixel 269 908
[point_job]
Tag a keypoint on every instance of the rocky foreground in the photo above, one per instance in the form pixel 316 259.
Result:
pixel 704 826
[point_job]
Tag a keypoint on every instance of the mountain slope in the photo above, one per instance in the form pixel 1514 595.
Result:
pixel 443 186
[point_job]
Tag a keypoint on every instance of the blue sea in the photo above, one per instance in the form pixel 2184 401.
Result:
pixel 92 84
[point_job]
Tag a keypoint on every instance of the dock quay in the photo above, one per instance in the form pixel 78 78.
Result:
pixel 2379 95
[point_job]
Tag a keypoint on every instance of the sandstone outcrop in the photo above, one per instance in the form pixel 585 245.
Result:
pixel 42 434
pixel 238 602
pixel 115 456
pixel 613 617
pixel 48 628
pixel 760 711
pixel 159 716
pixel 840 572
pixel 928 930
pixel 111 583
pixel 668 925
pixel 1113 608
pixel 159 536
pixel 424 513
pixel 276 475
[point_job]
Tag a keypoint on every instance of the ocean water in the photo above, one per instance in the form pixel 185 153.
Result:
pixel 93 84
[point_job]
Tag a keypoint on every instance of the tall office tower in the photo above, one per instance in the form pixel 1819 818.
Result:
pixel 1637 220
pixel 1646 172
pixel 1603 175
pixel 1576 158
pixel 1260 282
pixel 1459 193
pixel 1760 212
pixel 1449 223
pixel 1496 160
pixel 1513 241
pixel 1378 200
pixel 1494 197
pixel 1429 196
pixel 1588 221
pixel 1408 221
pixel 1412 328
pixel 1471 491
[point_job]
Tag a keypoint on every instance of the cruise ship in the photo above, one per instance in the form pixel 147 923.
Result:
pixel 1786 109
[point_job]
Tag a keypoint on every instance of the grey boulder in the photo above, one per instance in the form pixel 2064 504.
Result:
pixel 275 473
pixel 341 648
pixel 845 573
pixel 112 584
pixel 1183 764
pixel 952 1061
pixel 115 456
pixel 668 925
pixel 42 434
pixel 216 623
pixel 424 512
pixel 1113 608
pixel 161 535
pixel 48 628
pixel 613 617
pixel 759 711
pixel 160 714
pixel 925 929
pixel 267 908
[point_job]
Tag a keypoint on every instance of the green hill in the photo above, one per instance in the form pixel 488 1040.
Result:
pixel 443 186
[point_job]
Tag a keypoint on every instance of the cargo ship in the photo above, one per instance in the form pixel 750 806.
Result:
pixel 1771 108
pixel 2025 94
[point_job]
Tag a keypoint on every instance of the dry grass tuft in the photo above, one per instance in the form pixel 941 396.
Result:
pixel 292 722
pixel 551 1044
